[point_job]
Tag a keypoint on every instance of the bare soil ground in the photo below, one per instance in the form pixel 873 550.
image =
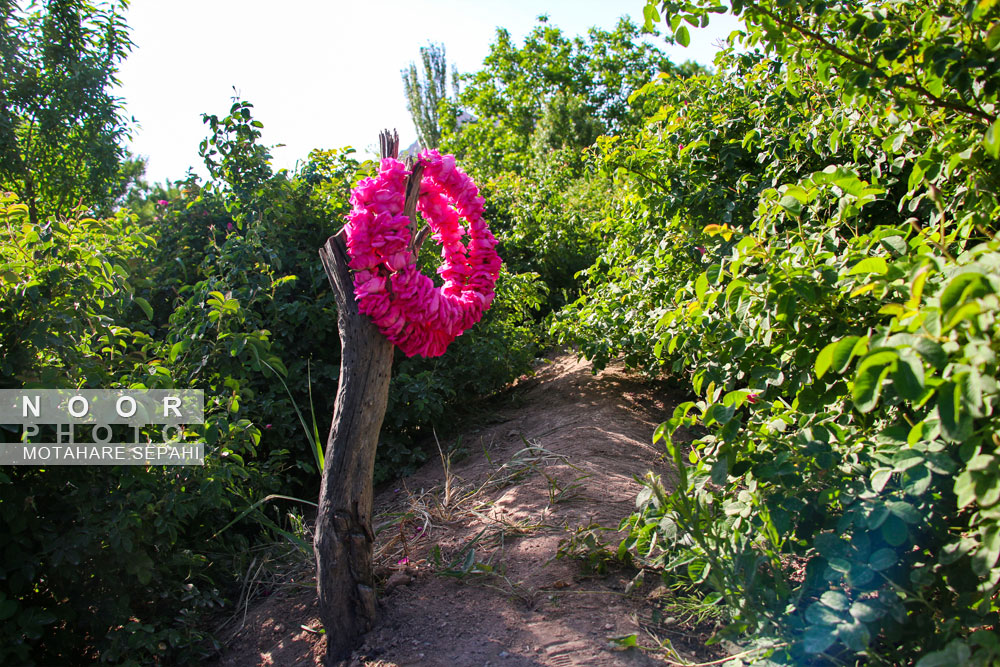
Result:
pixel 467 548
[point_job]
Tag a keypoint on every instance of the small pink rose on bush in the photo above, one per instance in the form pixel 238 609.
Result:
pixel 163 202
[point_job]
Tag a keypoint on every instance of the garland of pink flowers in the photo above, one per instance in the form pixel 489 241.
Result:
pixel 403 303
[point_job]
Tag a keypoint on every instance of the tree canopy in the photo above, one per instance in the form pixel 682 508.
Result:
pixel 61 127
pixel 578 85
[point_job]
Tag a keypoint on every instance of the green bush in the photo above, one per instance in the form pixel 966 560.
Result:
pixel 254 235
pixel 808 238
pixel 113 562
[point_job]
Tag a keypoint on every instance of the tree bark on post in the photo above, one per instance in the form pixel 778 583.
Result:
pixel 344 539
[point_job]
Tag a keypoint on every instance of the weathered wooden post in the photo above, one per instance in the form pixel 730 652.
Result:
pixel 344 537
pixel 406 310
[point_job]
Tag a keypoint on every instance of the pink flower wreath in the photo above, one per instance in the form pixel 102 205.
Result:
pixel 403 303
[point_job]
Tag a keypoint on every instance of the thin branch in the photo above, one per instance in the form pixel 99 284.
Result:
pixel 876 70
pixel 651 179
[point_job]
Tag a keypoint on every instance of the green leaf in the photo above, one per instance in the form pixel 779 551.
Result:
pixel 821 614
pixel 721 413
pixel 841 565
pixel 278 366
pixel 697 570
pixel 177 348
pixel 714 273
pixel 917 480
pixel 894 531
pixel 845 350
pixel 908 378
pixel 905 511
pixel 894 143
pixel 991 141
pixel 993 36
pixel 932 352
pixel 987 489
pixel 963 288
pixel 824 360
pixel 904 459
pixel 470 560
pixel 954 654
pixel 650 16
pixel 866 611
pixel 882 559
pixel 713 598
pixel 835 600
pixel 785 311
pixel 146 308
pixel 965 488
pixel 880 476
pixel 829 545
pixel 855 635
pixel 625 641
pixel 956 550
pixel 818 638
pixel 988 553
pixel 894 244
pixel 878 515
pixel 871 374
pixel 955 426
pixel 959 314
pixel 874 265
pixel 981 462
pixel 683 36
pixel 700 286
pixel 791 204
pixel 971 389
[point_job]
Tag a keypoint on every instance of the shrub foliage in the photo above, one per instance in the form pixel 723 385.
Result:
pixel 809 238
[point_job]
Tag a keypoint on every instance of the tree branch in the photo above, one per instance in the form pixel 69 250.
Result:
pixel 876 70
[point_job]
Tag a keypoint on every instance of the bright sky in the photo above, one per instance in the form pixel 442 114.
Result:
pixel 320 74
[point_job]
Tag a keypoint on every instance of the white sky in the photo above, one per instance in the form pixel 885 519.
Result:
pixel 319 74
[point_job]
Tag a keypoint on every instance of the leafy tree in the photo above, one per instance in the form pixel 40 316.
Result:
pixel 425 94
pixel 579 86
pixel 60 126
pixel 564 123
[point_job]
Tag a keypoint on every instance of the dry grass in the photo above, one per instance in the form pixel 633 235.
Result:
pixel 409 537
pixel 273 567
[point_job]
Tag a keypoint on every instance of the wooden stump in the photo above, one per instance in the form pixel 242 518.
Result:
pixel 344 539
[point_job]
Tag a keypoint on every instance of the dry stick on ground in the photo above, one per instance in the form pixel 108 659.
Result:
pixel 344 537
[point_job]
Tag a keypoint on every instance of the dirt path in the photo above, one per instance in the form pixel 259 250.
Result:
pixel 468 558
